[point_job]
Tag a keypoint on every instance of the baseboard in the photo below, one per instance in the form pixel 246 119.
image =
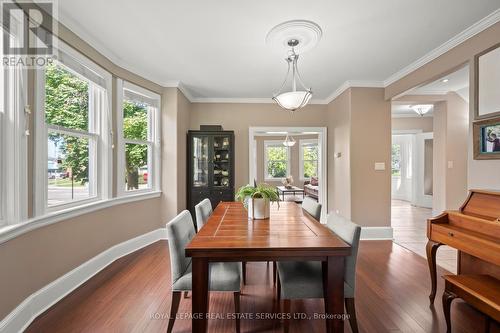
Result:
pixel 38 302
pixel 376 233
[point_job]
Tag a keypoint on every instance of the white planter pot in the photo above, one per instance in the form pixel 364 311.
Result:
pixel 258 208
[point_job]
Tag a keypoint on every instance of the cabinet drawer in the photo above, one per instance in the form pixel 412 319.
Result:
pixel 467 241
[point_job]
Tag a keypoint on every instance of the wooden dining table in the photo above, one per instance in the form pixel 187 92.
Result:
pixel 289 234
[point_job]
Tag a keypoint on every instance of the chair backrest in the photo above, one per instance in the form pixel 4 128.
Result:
pixel 312 207
pixel 203 210
pixel 180 231
pixel 349 232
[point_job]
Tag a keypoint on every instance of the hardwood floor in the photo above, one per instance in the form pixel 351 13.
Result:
pixel 133 295
pixel 410 224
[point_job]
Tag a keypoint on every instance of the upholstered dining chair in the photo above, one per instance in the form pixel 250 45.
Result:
pixel 304 279
pixel 224 276
pixel 203 210
pixel 312 207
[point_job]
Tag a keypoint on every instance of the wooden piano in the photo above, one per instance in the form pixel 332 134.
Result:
pixel 474 231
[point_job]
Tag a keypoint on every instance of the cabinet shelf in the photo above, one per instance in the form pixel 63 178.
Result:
pixel 215 151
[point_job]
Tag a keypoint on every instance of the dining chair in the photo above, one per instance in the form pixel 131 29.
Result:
pixel 203 210
pixel 304 279
pixel 224 276
pixel 312 207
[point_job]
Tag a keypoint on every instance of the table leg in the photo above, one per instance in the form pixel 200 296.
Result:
pixel 200 294
pixel 333 284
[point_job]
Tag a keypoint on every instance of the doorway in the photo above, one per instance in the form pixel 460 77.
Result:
pixel 430 131
pixel 276 153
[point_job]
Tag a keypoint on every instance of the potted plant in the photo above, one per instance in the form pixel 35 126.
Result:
pixel 257 200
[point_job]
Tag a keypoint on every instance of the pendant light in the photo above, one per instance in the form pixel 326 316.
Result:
pixel 289 141
pixel 297 97
pixel 422 109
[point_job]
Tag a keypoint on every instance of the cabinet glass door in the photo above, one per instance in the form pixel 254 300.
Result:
pixel 200 161
pixel 221 160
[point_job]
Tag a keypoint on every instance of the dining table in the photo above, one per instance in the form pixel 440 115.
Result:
pixel 288 234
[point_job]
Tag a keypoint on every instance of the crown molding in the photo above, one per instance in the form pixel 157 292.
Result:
pixel 471 31
pixel 353 84
pixel 256 100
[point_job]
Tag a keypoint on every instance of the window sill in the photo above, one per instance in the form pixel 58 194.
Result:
pixel 12 231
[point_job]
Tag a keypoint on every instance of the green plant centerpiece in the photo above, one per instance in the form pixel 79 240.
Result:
pixel 257 200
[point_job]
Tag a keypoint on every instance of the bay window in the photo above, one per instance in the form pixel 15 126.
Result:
pixel 73 133
pixel 138 139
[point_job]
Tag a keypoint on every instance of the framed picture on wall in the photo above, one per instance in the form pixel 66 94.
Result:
pixel 487 139
pixel 487 83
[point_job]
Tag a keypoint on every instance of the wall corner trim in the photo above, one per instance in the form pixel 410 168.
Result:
pixel 41 300
pixel 376 233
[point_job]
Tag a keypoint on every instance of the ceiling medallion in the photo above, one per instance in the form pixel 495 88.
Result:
pixel 298 37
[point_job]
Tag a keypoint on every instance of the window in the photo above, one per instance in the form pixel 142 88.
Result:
pixel 73 143
pixel 13 142
pixel 308 159
pixel 138 139
pixel 396 160
pixel 276 160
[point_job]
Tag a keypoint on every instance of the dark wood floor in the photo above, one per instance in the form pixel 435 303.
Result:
pixel 133 295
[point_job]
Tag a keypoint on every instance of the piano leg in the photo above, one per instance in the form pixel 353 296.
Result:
pixel 431 250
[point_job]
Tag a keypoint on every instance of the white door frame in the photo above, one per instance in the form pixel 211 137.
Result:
pixel 322 170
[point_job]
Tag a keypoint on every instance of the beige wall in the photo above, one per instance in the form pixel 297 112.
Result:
pixel 370 143
pixel 456 152
pixel 482 174
pixel 175 123
pixel 339 171
pixel 360 130
pixel 34 259
pixel 294 158
pixel 239 117
pixel 439 158
pixel 425 124
pixel 184 112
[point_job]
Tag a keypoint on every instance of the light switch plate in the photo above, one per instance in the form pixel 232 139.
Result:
pixel 379 166
pixel 450 164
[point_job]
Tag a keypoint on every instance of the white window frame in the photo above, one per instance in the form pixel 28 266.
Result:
pixel 302 143
pixel 99 132
pixel 153 140
pixel 275 143
pixel 13 147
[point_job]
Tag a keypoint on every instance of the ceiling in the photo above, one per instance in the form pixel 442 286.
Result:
pixel 217 49
pixel 457 81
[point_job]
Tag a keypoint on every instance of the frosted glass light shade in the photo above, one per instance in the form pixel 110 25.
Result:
pixel 293 100
pixel 422 109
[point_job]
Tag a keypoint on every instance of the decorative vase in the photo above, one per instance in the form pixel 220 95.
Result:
pixel 259 208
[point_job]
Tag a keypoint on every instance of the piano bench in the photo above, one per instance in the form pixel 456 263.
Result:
pixel 480 291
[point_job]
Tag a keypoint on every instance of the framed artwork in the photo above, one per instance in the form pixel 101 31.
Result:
pixel 487 139
pixel 487 83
